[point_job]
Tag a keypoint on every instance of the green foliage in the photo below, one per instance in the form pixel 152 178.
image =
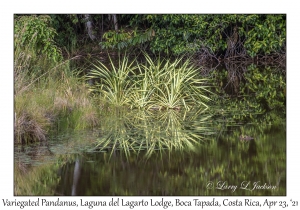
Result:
pixel 266 36
pixel 45 94
pixel 261 90
pixel 126 39
pixel 173 34
pixel 36 33
pixel 35 53
pixel 66 27
pixel 267 87
pixel 178 34
pixel 175 84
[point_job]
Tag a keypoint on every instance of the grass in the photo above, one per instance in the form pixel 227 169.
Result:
pixel 42 106
pixel 48 93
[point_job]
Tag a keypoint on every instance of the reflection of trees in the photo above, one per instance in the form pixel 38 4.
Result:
pixel 178 172
pixel 235 76
pixel 76 176
pixel 250 93
pixel 185 173
pixel 34 181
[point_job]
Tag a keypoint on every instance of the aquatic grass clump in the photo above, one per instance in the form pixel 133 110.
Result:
pixel 38 110
pixel 155 85
pixel 57 104
pixel 74 103
pixel 29 128
pixel 45 100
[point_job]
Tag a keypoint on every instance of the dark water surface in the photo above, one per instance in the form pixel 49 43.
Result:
pixel 222 164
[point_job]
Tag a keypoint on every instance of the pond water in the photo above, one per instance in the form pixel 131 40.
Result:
pixel 201 152
pixel 221 164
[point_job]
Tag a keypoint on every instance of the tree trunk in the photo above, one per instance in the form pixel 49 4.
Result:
pixel 115 21
pixel 89 26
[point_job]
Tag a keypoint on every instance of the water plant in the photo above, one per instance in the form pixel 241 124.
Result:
pixel 114 83
pixel 177 84
pixel 155 84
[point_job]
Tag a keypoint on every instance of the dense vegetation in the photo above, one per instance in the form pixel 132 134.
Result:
pixel 150 85
pixel 224 36
pixel 46 91
pixel 54 54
